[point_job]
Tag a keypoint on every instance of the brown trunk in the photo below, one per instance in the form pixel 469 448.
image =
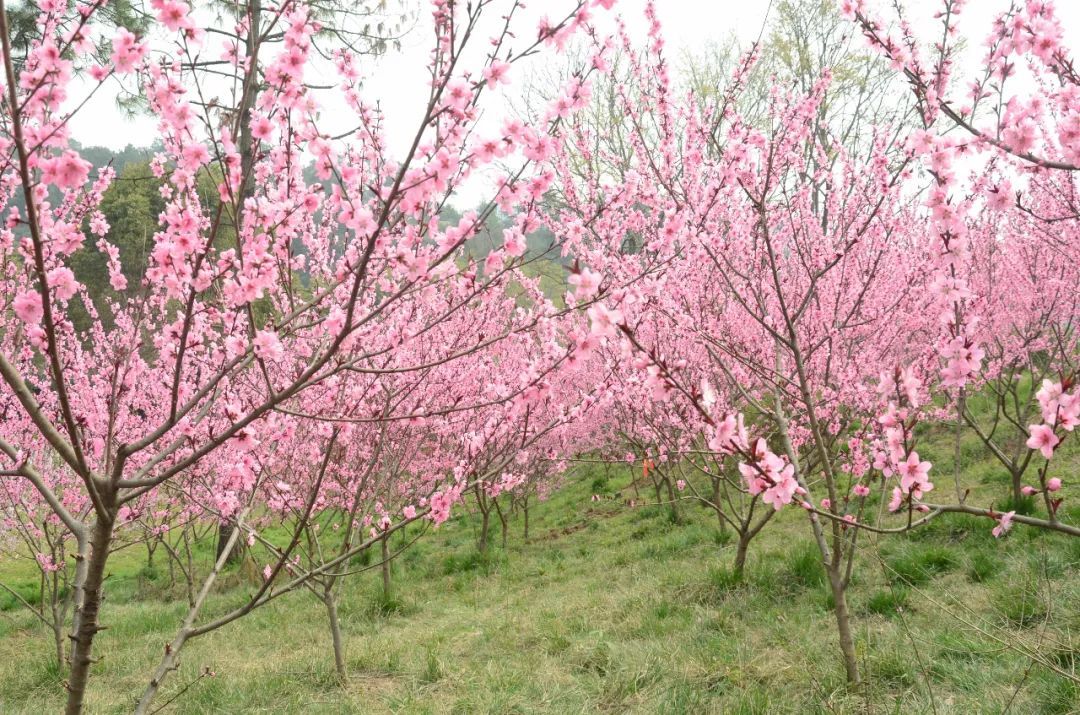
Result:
pixel 189 575
pixel 957 450
pixel 58 626
pixel 740 554
pixel 335 633
pixel 716 496
pixel 843 623
pixel 502 522
pixel 385 569
pixel 526 530
pixel 88 616
pixel 249 96
pixel 225 530
pixel 485 525
pixel 672 502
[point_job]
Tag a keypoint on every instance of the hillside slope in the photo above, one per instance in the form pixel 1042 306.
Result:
pixel 615 609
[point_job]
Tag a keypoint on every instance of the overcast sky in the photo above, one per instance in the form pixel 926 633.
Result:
pixel 399 79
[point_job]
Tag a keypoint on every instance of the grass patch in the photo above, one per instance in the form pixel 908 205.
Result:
pixel 919 563
pixel 888 602
pixel 611 609
pixel 1021 602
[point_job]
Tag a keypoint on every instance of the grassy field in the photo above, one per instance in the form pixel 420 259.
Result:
pixel 613 609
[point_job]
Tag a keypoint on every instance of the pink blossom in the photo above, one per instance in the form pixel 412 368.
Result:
pixel 28 307
pixel 496 73
pixel 586 283
pixel 174 15
pixel 268 346
pixel 68 171
pixel 62 281
pixel 1004 524
pixel 914 476
pixel 604 320
pixel 897 499
pixel 127 51
pixel 1043 439
pixel 261 127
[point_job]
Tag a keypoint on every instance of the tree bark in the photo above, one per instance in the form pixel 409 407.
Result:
pixel 88 615
pixel 335 633
pixel 58 632
pixel 716 502
pixel 502 522
pixel 843 624
pixel 740 554
pixel 485 525
pixel 673 503
pixel 225 531
pixel 385 569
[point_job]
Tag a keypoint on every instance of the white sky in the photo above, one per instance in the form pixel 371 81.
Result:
pixel 399 80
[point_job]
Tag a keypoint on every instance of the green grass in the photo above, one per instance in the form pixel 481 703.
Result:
pixel 609 610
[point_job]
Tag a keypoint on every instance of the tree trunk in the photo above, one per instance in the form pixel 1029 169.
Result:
pixel 189 575
pixel 87 618
pixel 502 523
pixel 385 569
pixel 957 447
pixel 335 633
pixel 673 503
pixel 716 495
pixel 843 623
pixel 485 524
pixel 249 96
pixel 740 554
pixel 58 628
pixel 526 530
pixel 225 530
